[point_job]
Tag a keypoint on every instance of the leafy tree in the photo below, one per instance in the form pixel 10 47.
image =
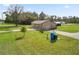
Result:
pixel 71 19
pixel 42 16
pixel 8 19
pixel 28 17
pixel 35 15
pixel 14 11
pixel 51 18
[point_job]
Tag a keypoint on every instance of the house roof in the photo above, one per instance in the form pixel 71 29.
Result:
pixel 39 21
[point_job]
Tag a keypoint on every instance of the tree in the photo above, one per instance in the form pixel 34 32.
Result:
pixel 65 19
pixel 52 18
pixel 42 16
pixel 8 19
pixel 28 17
pixel 14 11
pixel 35 15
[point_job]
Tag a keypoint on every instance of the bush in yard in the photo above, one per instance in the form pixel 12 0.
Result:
pixel 41 31
pixel 23 29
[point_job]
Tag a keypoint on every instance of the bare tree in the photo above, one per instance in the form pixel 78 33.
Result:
pixel 14 11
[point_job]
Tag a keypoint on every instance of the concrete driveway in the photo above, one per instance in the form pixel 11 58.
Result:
pixel 72 35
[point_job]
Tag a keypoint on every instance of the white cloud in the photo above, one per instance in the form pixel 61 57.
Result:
pixel 67 6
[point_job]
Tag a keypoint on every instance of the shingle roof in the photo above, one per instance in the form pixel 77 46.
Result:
pixel 39 21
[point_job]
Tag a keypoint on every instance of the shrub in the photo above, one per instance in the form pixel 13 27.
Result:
pixel 23 29
pixel 41 31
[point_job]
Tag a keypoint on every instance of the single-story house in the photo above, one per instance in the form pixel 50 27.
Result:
pixel 43 25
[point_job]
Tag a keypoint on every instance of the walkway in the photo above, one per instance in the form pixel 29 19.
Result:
pixel 13 30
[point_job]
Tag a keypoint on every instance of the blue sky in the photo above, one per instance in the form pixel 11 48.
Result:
pixel 50 9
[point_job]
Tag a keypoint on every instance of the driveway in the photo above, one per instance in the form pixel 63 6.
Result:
pixel 72 35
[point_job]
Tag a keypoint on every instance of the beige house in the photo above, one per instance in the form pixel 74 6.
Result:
pixel 43 25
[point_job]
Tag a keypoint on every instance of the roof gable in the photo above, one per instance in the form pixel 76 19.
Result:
pixel 39 21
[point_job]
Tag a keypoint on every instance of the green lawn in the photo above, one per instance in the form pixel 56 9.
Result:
pixel 69 28
pixel 6 24
pixel 35 42
pixel 9 28
pixel 6 27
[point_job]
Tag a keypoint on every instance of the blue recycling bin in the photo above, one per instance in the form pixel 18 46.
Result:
pixel 53 36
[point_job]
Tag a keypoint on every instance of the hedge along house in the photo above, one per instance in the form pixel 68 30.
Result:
pixel 43 25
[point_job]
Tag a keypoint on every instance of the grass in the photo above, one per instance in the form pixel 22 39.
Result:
pixel 6 24
pixel 6 27
pixel 9 28
pixel 69 28
pixel 35 42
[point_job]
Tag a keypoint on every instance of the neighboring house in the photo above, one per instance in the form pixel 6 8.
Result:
pixel 43 25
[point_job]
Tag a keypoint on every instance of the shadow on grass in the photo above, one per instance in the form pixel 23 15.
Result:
pixel 19 38
pixel 53 41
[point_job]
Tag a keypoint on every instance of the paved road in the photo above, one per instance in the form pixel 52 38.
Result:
pixel 73 35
